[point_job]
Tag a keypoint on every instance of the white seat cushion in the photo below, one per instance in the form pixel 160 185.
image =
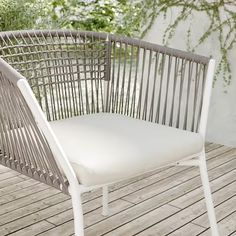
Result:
pixel 105 148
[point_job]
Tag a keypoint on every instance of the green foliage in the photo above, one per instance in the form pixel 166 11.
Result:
pixel 16 14
pixel 222 26
pixel 121 17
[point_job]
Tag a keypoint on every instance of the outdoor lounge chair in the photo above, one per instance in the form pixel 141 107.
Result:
pixel 83 110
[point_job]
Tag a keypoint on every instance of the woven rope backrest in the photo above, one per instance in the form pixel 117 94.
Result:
pixel 74 73
pixel 23 146
pixel 65 69
pixel 156 83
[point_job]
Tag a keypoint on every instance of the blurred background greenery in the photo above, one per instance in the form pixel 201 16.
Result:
pixel 130 18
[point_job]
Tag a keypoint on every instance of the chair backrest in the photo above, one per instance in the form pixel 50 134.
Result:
pixel 23 146
pixel 65 69
pixel 74 73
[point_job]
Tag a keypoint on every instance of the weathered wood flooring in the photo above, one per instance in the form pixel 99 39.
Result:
pixel 165 202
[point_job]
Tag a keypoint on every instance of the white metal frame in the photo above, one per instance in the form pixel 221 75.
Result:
pixel 76 189
pixel 200 161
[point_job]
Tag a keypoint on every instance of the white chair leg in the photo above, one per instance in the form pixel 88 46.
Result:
pixel 105 209
pixel 208 196
pixel 78 212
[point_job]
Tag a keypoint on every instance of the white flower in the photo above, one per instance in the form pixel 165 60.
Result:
pixel 88 1
pixel 58 11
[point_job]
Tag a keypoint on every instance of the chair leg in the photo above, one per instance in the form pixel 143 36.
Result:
pixel 105 209
pixel 78 212
pixel 208 196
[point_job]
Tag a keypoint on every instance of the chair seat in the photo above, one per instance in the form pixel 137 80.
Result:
pixel 105 147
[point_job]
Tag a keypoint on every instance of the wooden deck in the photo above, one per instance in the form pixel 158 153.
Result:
pixel 166 202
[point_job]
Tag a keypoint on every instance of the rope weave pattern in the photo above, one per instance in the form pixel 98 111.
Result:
pixel 23 146
pixel 74 73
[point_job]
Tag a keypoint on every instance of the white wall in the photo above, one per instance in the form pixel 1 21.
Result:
pixel 222 116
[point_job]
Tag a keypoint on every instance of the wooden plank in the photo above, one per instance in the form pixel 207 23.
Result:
pixel 9 174
pixel 222 211
pixel 144 221
pixel 189 229
pixel 226 227
pixel 91 217
pixel 25 201
pixel 4 169
pixel 33 229
pixel 18 213
pixel 187 215
pixel 211 146
pixel 37 187
pixel 10 181
pixel 18 185
pixel 196 195
pixel 50 208
pixel 65 229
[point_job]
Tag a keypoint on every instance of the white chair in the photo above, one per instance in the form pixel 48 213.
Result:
pixel 83 110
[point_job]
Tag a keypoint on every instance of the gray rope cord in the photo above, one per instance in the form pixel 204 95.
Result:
pixel 73 73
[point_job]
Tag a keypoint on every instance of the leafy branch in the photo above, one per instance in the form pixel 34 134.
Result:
pixel 222 23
